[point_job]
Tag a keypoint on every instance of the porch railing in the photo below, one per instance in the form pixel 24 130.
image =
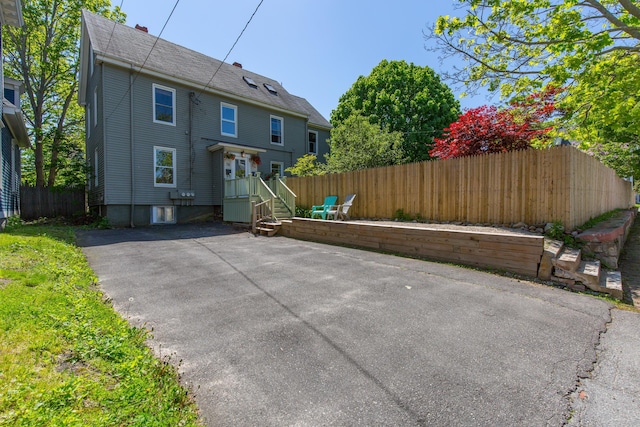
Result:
pixel 246 187
pixel 284 193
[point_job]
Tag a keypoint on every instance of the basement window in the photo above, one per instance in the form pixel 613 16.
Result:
pixel 163 214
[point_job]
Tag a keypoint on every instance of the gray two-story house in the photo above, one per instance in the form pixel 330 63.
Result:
pixel 14 135
pixel 168 130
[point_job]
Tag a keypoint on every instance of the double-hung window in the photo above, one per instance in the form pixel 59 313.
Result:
pixel 277 130
pixel 164 105
pixel 164 161
pixel 277 168
pixel 312 142
pixel 228 120
pixel 96 179
pixel 95 106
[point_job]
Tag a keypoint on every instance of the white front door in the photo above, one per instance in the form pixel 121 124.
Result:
pixel 240 167
pixel 236 168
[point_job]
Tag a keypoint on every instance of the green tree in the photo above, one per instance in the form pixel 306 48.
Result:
pixel 306 166
pixel 405 98
pixel 590 48
pixel 608 125
pixel 521 46
pixel 357 144
pixel 44 54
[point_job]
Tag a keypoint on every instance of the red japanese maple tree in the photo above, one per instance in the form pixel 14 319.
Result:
pixel 487 129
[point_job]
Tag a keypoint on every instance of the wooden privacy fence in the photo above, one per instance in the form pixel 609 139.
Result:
pixel 44 202
pixel 533 186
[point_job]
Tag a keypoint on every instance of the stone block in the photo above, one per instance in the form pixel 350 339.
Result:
pixel 569 259
pixel 613 284
pixel 588 272
pixel 577 287
pixel 563 280
pixel 551 250
pixel 558 272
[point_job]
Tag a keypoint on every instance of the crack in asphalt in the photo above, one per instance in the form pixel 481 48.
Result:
pixel 574 393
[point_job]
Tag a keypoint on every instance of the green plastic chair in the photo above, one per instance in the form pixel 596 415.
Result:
pixel 322 210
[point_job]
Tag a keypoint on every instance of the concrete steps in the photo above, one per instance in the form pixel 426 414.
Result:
pixel 565 265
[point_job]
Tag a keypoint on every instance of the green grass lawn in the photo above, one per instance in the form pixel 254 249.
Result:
pixel 66 357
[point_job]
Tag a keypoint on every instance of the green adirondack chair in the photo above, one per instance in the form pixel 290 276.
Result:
pixel 322 209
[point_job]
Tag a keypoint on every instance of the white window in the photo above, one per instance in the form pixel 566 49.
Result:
pixel 228 120
pixel 87 116
pixel 95 168
pixel 277 129
pixel 91 60
pixel 277 168
pixel 163 214
pixel 312 142
pixel 164 105
pixel 95 106
pixel 164 161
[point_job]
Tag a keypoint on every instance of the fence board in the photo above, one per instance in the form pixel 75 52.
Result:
pixel 44 202
pixel 533 186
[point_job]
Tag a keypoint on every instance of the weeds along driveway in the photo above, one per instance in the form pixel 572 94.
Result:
pixel 275 331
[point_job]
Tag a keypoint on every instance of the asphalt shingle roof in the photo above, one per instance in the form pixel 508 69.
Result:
pixel 132 46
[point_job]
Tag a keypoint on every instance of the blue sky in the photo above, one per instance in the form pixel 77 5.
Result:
pixel 315 48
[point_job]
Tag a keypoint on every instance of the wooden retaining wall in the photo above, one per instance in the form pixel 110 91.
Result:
pixel 515 253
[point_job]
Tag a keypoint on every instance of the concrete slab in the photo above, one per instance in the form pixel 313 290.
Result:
pixel 274 331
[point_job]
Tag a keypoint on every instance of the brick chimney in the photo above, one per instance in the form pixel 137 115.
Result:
pixel 141 28
pixel 237 64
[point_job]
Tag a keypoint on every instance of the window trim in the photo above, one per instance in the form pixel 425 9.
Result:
pixel 281 164
pixel 309 131
pixel 281 143
pixel 173 104
pixel 95 106
pixel 91 60
pixel 88 119
pixel 235 121
pixel 157 148
pixel 96 180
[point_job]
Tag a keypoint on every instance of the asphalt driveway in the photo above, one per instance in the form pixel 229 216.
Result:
pixel 275 331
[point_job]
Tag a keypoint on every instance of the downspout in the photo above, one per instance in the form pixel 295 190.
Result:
pixel 191 101
pixel 131 147
pixel 103 202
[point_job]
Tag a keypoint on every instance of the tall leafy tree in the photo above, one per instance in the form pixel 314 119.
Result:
pixel 608 125
pixel 589 47
pixel 357 144
pixel 44 54
pixel 405 98
pixel 523 45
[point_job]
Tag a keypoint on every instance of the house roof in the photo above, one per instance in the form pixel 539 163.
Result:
pixel 15 122
pixel 129 47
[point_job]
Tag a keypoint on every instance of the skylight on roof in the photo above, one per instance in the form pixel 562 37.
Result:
pixel 250 81
pixel 271 89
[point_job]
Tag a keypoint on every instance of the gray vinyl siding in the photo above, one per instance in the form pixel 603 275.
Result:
pixel 116 169
pixel 95 139
pixel 217 187
pixel 323 145
pixel 206 176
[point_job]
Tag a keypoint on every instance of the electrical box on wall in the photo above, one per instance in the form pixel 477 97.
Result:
pixel 182 195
